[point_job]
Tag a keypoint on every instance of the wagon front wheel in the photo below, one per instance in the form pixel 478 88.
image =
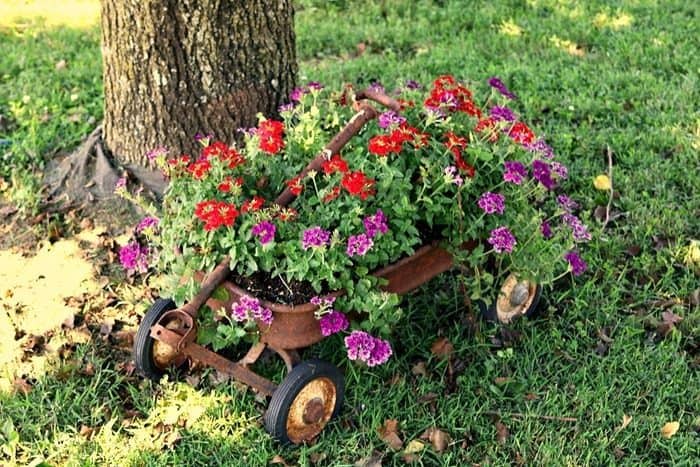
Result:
pixel 152 357
pixel 306 400
pixel 516 298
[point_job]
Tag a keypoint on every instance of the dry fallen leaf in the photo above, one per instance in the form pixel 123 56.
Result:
pixel 22 385
pixel 501 432
pixel 419 369
pixel 602 182
pixel 413 448
pixel 389 434
pixel 278 460
pixel 60 65
pixel 442 347
pixel 438 438
pixel 669 429
pixel 86 431
pixel 670 317
pixel 375 460
pixel 626 419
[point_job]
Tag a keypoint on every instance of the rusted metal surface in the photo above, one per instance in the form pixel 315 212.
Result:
pixel 207 287
pixel 311 410
pixel 289 356
pixel 202 354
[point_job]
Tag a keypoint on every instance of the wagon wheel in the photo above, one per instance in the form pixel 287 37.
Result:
pixel 309 396
pixel 153 357
pixel 515 299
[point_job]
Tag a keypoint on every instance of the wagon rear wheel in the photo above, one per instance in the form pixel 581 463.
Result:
pixel 152 357
pixel 308 398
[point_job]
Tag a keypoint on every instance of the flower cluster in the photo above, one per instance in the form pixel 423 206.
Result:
pixel 367 348
pixel 134 257
pixel 249 308
pixel 215 214
pixel 270 134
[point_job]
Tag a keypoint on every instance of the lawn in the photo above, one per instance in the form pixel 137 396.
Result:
pixel 612 358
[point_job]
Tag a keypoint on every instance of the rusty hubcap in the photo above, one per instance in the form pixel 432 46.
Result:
pixel 514 298
pixel 163 354
pixel 311 410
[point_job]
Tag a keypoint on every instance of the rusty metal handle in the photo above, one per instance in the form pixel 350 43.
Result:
pixel 365 113
pixel 207 287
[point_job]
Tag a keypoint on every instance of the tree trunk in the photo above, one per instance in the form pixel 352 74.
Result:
pixel 174 68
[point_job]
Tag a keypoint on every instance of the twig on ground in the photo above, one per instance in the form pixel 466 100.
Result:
pixel 610 177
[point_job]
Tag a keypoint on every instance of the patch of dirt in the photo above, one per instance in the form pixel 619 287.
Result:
pixel 274 289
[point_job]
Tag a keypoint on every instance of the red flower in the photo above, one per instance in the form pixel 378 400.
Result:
pixel 288 214
pixel 443 81
pixel 199 169
pixel 180 161
pixel 295 185
pixel 225 186
pixel 214 214
pixel 455 143
pixel 468 107
pixel 270 133
pixel 331 195
pixel 227 213
pixel 488 126
pixel 253 204
pixel 407 133
pixel 464 166
pixel 335 164
pixel 382 145
pixel 358 184
pixel 521 133
pixel 405 104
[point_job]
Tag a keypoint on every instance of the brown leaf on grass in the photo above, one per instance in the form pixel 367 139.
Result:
pixel 86 431
pixel 317 457
pixel 619 453
pixel 34 343
pixel 633 250
pixel 501 380
pixel 360 47
pixel 438 438
pixel 530 396
pixel 419 369
pixel 88 370
pixel 414 447
pixel 8 210
pixel 126 368
pixel 21 385
pixel 375 460
pixel 694 297
pixel 502 432
pixel 669 429
pixel 389 434
pixel 670 317
pixel 626 420
pixel 442 348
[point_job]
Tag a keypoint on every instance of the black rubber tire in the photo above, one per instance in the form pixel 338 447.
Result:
pixel 275 417
pixel 143 342
pixel 488 312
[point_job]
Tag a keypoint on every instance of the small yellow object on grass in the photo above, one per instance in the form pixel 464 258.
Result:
pixel 602 183
pixel 669 429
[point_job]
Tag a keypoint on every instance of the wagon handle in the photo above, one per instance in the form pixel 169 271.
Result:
pixel 365 113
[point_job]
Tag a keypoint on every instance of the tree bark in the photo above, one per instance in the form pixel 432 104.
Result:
pixel 174 68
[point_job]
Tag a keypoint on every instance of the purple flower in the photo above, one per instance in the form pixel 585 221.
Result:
pixel 539 146
pixel 578 228
pixel 153 154
pixel 147 223
pixel 265 231
pixel 286 107
pixel 390 119
pixel 492 202
pixel 315 237
pixel 323 302
pixel 120 185
pixel 546 230
pixel 497 84
pixel 578 265
pixel 502 240
pixel 359 245
pixel 376 86
pixel 567 203
pixel 542 173
pixel 375 224
pixel 449 101
pixel 248 308
pixel 333 322
pixel 202 138
pixel 297 94
pixel 560 170
pixel 314 86
pixel 412 84
pixel 247 131
pixel 134 257
pixel 502 114
pixel 364 347
pixel 515 172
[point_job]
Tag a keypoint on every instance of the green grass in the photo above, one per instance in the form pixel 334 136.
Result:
pixel 634 89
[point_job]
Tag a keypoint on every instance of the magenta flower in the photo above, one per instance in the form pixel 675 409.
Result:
pixel 578 265
pixel 314 86
pixel 515 172
pixel 322 301
pixel 286 107
pixel 153 154
pixel 364 347
pixel 248 308
pixel 297 94
pixel 375 224
pixel 134 257
pixel 452 176
pixel 315 237
pixel 390 119
pixel 502 114
pixel 333 322
pixel 546 230
pixel 540 147
pixel 265 231
pixel 560 170
pixel 578 228
pixel 376 86
pixel 498 85
pixel 542 173
pixel 412 84
pixel 567 203
pixel 120 186
pixel 492 202
pixel 502 240
pixel 359 245
pixel 147 223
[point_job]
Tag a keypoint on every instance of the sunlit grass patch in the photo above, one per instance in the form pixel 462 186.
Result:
pixel 71 13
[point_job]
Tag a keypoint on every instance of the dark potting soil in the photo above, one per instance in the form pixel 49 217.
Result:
pixel 273 289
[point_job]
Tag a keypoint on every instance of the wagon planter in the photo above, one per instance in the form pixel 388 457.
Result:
pixel 435 182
